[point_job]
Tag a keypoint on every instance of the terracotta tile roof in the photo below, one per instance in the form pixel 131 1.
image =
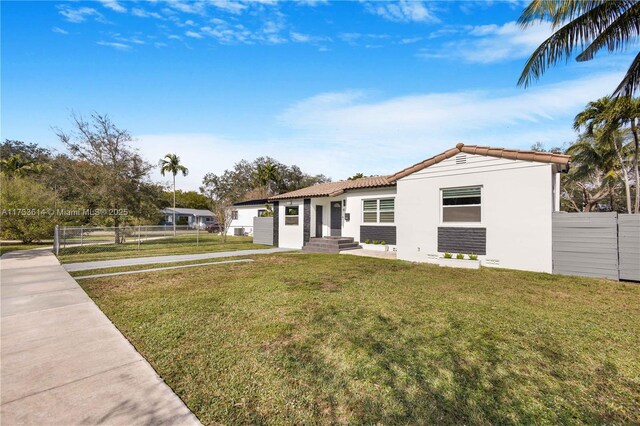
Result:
pixel 331 189
pixel 336 188
pixel 511 154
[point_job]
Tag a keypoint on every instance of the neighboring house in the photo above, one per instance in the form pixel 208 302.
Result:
pixel 494 202
pixel 191 217
pixel 243 214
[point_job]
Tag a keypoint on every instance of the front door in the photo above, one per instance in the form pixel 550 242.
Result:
pixel 336 219
pixel 318 221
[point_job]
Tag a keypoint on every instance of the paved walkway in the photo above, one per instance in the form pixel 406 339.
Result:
pixel 165 268
pixel 85 266
pixel 64 362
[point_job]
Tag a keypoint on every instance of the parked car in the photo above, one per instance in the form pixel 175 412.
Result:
pixel 214 227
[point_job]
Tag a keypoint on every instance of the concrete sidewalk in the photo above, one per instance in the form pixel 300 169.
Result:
pixel 99 264
pixel 63 362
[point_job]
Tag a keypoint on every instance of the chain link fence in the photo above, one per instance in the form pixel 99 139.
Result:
pixel 83 243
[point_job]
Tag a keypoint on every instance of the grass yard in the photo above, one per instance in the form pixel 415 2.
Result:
pixel 13 246
pixel 299 338
pixel 182 244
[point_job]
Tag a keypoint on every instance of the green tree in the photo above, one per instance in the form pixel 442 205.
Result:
pixel 171 164
pixel 185 199
pixel 603 120
pixel 357 176
pixel 18 166
pixel 235 184
pixel 588 26
pixel 594 174
pixel 26 207
pixel 266 174
pixel 108 173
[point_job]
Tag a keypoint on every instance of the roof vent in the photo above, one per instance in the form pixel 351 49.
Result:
pixel 461 159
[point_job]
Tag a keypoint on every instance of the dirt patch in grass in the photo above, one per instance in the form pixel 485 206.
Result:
pixel 316 339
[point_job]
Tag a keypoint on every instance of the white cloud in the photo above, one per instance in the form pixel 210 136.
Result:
pixel 411 40
pixel 230 6
pixel 80 14
pixel 491 43
pixel 113 5
pixel 402 11
pixel 421 125
pixel 141 13
pixel 312 3
pixel 59 30
pixel 115 45
pixel 383 136
pixel 193 34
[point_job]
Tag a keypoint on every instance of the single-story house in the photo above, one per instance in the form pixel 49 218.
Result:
pixel 243 213
pixel 191 217
pixel 493 202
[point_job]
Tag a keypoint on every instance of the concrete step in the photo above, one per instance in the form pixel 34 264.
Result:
pixel 332 246
pixel 333 240
pixel 320 245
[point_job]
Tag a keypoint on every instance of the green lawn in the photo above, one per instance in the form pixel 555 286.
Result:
pixel 7 247
pixel 182 244
pixel 307 339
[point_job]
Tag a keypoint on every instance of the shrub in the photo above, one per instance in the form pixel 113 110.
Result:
pixel 367 241
pixel 23 193
pixel 473 256
pixel 459 256
pixel 383 242
pixel 448 255
pixel 376 242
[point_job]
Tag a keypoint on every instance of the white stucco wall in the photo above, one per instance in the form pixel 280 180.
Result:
pixel 290 236
pixel 517 203
pixel 354 208
pixel 245 218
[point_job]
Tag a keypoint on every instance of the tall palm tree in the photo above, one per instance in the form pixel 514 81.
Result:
pixel 600 122
pixel 586 25
pixel 171 164
pixel 267 174
pixel 607 116
pixel 593 172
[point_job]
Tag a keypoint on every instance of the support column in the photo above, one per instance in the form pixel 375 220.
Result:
pixel 306 224
pixel 276 223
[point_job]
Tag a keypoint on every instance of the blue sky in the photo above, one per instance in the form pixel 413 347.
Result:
pixel 335 87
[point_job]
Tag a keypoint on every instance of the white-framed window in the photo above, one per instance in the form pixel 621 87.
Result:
pixel 234 215
pixel 291 215
pixel 381 210
pixel 462 205
pixel 262 212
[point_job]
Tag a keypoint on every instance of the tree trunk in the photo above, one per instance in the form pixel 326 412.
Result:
pixel 634 131
pixel 174 204
pixel 625 177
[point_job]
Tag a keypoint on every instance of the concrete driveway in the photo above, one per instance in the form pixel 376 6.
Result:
pixel 62 360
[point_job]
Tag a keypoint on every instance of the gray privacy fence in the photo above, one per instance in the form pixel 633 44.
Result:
pixel 629 246
pixel 263 230
pixel 603 245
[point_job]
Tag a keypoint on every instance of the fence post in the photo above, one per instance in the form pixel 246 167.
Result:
pixel 139 236
pixel 197 232
pixel 81 239
pixel 56 240
pixel 64 236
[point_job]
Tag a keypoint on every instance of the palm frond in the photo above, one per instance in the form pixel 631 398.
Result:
pixel 556 11
pixel 629 84
pixel 562 43
pixel 616 35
